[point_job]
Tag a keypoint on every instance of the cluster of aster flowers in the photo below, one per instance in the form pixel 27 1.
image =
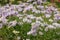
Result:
pixel 34 13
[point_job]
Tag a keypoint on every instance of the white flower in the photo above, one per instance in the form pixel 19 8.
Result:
pixel 42 24
pixel 22 4
pixel 48 15
pixel 43 11
pixel 40 7
pixel 41 33
pixel 19 15
pixel 25 19
pixel 38 22
pixel 39 18
pixel 34 2
pixel 33 23
pixel 18 38
pixel 12 23
pixel 1 19
pixel 29 0
pixel 46 29
pixel 51 26
pixel 15 32
pixel 31 16
pixel 58 12
pixel 27 39
pixel 20 23
pixel 56 24
pixel 29 21
pixel 37 11
pixel 56 9
pixel 34 10
pixel 46 7
pixel 50 20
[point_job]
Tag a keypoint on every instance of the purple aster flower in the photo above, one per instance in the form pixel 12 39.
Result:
pixel 39 1
pixel 4 20
pixel 31 32
pixel 57 16
pixel 4 14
